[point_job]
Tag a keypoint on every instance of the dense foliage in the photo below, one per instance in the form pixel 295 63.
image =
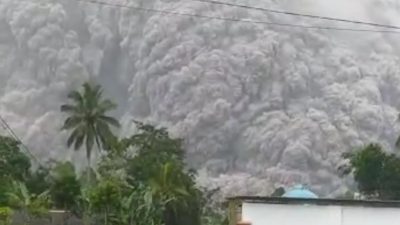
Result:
pixel 152 164
pixel 13 162
pixel 139 180
pixel 14 165
pixel 64 186
pixel 376 172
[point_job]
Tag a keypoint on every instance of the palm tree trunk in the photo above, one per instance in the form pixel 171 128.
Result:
pixel 89 172
pixel 106 216
pixel 98 144
pixel 89 156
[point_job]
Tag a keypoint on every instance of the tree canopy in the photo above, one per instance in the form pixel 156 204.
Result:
pixel 14 166
pixel 154 160
pixel 88 120
pixel 13 162
pixel 139 180
pixel 376 172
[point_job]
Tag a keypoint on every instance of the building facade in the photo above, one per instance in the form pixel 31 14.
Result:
pixel 302 207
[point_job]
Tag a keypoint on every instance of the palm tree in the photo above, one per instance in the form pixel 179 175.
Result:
pixel 398 138
pixel 87 119
pixel 177 193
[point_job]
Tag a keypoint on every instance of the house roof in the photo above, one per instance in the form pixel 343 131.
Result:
pixel 316 201
pixel 299 191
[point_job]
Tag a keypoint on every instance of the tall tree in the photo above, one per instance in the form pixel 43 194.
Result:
pixel 65 189
pixel 159 164
pixel 397 144
pixel 14 166
pixel 376 172
pixel 154 148
pixel 88 120
pixel 13 162
pixel 38 180
pixel 176 189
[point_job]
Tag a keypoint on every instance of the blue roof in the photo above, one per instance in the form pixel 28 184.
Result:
pixel 299 191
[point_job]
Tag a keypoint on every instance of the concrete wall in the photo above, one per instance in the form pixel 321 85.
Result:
pixel 54 218
pixel 285 214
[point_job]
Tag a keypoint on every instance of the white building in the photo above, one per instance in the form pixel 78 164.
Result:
pixel 302 207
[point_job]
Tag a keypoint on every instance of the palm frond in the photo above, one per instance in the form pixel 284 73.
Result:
pixel 105 106
pixel 72 137
pixel 92 96
pixel 69 108
pixel 103 130
pixel 105 135
pixel 44 195
pixel 166 172
pixel 87 87
pixel 76 96
pixel 182 191
pixel 92 90
pixel 110 120
pixel 19 196
pixel 398 142
pixel 97 91
pixel 79 141
pixel 71 122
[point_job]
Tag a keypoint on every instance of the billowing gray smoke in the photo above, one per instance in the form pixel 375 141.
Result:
pixel 259 105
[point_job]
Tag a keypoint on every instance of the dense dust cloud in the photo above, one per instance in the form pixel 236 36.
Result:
pixel 259 105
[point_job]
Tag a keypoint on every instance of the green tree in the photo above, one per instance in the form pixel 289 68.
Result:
pixel 278 192
pixel 5 188
pixel 13 162
pixel 106 199
pixel 159 164
pixel 154 148
pixel 376 172
pixel 142 208
pixel 30 205
pixel 14 166
pixel 397 144
pixel 65 189
pixel 38 180
pixel 176 188
pixel 5 215
pixel 88 120
pixel 143 180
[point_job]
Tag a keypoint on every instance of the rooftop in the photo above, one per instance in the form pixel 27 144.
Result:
pixel 299 191
pixel 316 201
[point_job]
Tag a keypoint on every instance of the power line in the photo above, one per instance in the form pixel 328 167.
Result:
pixel 15 136
pixel 299 14
pixel 152 10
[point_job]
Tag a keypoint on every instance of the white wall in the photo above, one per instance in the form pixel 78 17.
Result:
pixel 285 214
